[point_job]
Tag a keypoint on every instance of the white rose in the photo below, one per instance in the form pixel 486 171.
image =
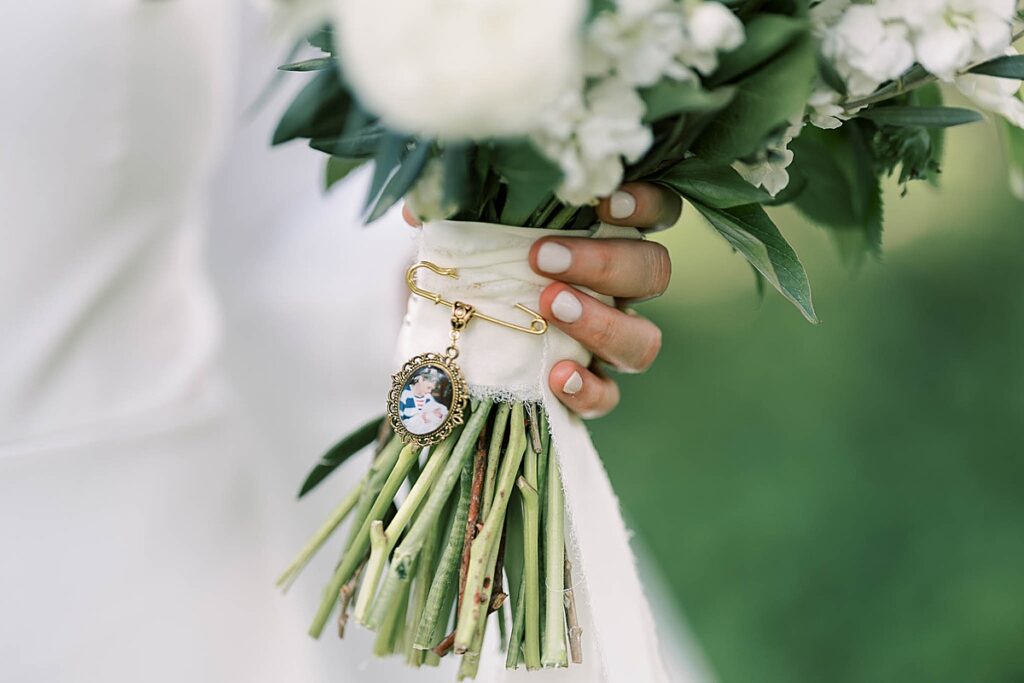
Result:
pixel 460 68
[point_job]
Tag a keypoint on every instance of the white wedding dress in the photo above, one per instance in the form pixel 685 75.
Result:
pixel 149 445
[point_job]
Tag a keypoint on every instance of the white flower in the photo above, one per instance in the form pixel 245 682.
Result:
pixel 711 27
pixel 426 199
pixel 865 50
pixel 825 110
pixel 639 49
pixel 589 134
pixel 997 95
pixel 651 41
pixel 460 68
pixel 768 167
pixel 872 42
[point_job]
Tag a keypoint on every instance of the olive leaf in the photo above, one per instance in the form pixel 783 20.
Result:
pixel 320 109
pixel 337 454
pixel 753 234
pixel 1010 66
pixel 917 116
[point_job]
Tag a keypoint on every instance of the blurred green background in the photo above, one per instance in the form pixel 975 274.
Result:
pixel 844 502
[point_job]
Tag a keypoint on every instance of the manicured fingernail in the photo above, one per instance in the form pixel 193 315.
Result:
pixel 622 204
pixel 573 384
pixel 566 307
pixel 553 257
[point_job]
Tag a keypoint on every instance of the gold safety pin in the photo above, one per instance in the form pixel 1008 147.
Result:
pixel 537 326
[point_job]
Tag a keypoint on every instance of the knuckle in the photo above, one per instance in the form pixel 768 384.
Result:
pixel 659 266
pixel 603 333
pixel 602 264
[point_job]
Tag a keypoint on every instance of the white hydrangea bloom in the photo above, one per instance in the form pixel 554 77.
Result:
pixel 824 110
pixel 711 27
pixel 873 42
pixel 768 169
pixel 588 136
pixel 460 68
pixel 647 42
pixel 866 50
pixel 997 95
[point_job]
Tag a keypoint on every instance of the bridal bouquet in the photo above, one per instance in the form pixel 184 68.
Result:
pixel 500 121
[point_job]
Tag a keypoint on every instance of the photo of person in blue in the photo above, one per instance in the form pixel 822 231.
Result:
pixel 425 400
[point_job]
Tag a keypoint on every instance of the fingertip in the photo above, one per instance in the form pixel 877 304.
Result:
pixel 641 205
pixel 411 219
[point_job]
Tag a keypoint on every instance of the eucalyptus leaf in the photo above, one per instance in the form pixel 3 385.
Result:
pixel 716 185
pixel 671 98
pixel 408 173
pixel 339 167
pixel 360 143
pixel 320 109
pixel 765 100
pixel 765 36
pixel 1009 66
pixel 753 234
pixel 389 153
pixel 351 444
pixel 922 117
pixel 315 64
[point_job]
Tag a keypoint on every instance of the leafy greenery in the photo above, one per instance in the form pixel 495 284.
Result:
pixel 336 456
pixel 753 234
pixel 1009 66
pixel 921 117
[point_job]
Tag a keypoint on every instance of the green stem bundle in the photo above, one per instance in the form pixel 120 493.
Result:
pixel 503 525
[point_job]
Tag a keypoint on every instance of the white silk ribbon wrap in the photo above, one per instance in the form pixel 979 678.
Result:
pixel 620 640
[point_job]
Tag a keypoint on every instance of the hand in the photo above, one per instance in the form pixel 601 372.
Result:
pixel 628 270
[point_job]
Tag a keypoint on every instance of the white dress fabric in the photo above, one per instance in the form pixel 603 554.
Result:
pixel 146 469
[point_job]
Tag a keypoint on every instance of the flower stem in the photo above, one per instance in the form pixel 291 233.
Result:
pixel 494 453
pixel 531 572
pixel 379 553
pixel 571 618
pixel 375 536
pixel 516 637
pixel 440 596
pixel 402 562
pixel 554 653
pixel 424 577
pixel 285 581
pixel 378 485
pixel 476 598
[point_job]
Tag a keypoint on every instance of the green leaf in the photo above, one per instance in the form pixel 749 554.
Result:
pixel 670 98
pixel 718 186
pixel 752 233
pixel 1010 66
pixel 320 109
pixel 842 190
pixel 315 64
pixel 362 437
pixel 766 36
pixel 339 167
pixel 408 172
pixel 322 39
pixel 924 117
pixel 529 176
pixel 1014 141
pixel 765 100
pixel 828 73
pixel 460 184
pixel 362 142
pixel 390 150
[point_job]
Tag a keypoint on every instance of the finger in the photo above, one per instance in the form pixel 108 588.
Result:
pixel 585 393
pixel 641 205
pixel 629 269
pixel 627 341
pixel 409 217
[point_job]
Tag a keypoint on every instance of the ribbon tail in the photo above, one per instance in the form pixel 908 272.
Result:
pixel 612 603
